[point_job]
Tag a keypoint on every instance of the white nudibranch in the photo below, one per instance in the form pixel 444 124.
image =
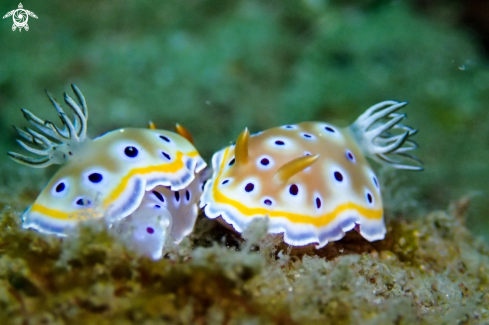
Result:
pixel 130 177
pixel 312 180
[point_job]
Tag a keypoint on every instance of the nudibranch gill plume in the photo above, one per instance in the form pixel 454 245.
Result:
pixel 312 179
pixel 144 181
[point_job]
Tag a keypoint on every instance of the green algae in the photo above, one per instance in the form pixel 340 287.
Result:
pixel 428 270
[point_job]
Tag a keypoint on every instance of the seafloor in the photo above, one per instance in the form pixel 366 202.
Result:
pixel 427 271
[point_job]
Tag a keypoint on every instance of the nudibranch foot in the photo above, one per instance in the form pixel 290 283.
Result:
pixel 312 179
pixel 162 215
pixel 146 229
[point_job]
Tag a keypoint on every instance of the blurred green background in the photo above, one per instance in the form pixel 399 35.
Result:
pixel 217 66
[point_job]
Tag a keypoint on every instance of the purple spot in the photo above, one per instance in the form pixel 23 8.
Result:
pixel 150 230
pixel 293 189
pixel 225 181
pixel 338 176
pixel 83 202
pixel 131 152
pixel 95 177
pixel 329 129
pixel 305 135
pixel 167 156
pixel 375 182
pixel 249 187
pixel 279 143
pixel 159 196
pixel 318 202
pixel 232 162
pixel 369 198
pixel 267 202
pixel 264 161
pixel 187 195
pixel 177 196
pixel 164 138
pixel 60 187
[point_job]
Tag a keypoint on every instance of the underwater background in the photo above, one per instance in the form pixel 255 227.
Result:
pixel 218 66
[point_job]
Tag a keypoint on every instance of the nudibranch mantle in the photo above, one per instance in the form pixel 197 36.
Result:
pixel 114 176
pixel 109 182
pixel 312 180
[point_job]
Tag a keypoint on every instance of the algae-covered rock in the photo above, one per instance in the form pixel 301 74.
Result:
pixel 427 271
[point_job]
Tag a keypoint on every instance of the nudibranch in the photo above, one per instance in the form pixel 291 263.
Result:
pixel 312 179
pixel 148 179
